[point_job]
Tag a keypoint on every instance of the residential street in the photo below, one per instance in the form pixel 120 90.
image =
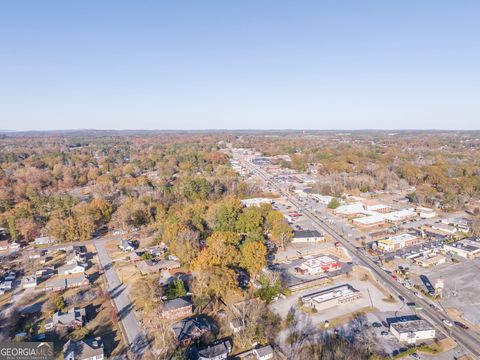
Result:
pixel 119 293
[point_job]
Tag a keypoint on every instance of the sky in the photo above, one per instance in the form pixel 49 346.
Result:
pixel 250 64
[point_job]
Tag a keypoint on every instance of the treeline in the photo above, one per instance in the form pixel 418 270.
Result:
pixel 49 187
pixel 444 168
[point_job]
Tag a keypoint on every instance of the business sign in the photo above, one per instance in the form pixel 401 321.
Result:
pixel 26 350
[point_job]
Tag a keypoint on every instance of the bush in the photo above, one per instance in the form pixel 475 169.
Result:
pixel 333 204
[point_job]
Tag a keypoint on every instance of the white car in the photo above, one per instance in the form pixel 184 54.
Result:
pixel 447 322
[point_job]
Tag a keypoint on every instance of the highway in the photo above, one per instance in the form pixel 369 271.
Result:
pixel 464 338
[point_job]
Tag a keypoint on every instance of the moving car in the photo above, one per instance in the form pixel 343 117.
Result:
pixel 447 322
pixel 462 325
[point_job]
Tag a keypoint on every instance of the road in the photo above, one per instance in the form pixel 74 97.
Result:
pixel 464 338
pixel 136 337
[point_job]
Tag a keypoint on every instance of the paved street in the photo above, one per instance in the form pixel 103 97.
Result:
pixel 119 293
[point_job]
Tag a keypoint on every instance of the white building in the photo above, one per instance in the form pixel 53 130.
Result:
pixel 256 201
pixel 319 265
pixel 338 294
pixel 29 282
pixel 412 331
pixel 263 353
pixel 368 221
pixel 426 213
pixel 429 261
pixel 447 229
pixel 350 209
pixel 400 216
pixel 45 240
pixel 71 268
pixel 307 236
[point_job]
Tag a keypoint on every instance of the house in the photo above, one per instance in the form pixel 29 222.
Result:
pixel 74 319
pixel 412 331
pixel 6 286
pixel 177 308
pixel 398 242
pixel 318 265
pixel 189 330
pixel 86 349
pixel 307 236
pixel 263 353
pixel 219 350
pixel 151 266
pixel 14 246
pixel 60 283
pixel 236 325
pixel 73 267
pixel 126 245
pixel 45 240
pixel 467 248
pixel 29 282
pixel 3 245
pixel 12 275
pixel 45 272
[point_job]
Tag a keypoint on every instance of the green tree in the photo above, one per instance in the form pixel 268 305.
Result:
pixel 176 289
pixel 333 204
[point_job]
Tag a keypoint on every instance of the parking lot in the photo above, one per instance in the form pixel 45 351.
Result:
pixel 462 282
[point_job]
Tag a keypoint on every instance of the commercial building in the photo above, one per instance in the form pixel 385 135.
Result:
pixel 350 209
pixel 369 221
pixel 461 224
pixel 398 242
pixel 307 236
pixel 412 331
pixel 335 295
pixel 445 228
pixel 426 213
pixel 318 265
pixel 396 217
pixel 467 248
pixel 429 261
pixel 256 201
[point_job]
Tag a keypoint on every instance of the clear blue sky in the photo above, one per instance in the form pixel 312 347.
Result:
pixel 239 64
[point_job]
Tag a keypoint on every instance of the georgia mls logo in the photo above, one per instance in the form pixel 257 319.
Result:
pixel 26 351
